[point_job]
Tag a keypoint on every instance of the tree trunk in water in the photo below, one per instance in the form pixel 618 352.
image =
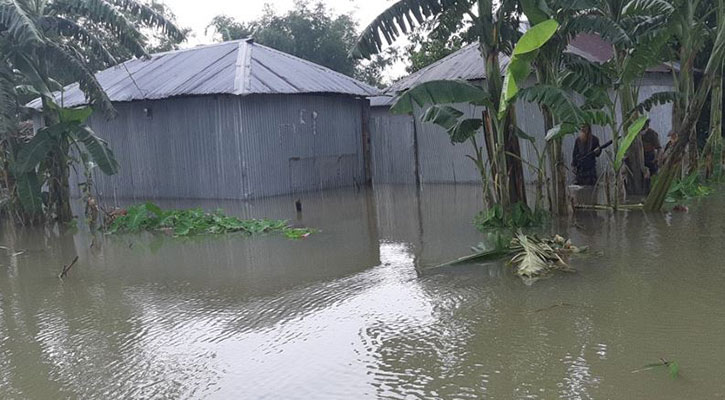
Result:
pixel 713 148
pixel 557 169
pixel 656 199
pixel 693 154
pixel 517 184
pixel 635 183
pixel 59 186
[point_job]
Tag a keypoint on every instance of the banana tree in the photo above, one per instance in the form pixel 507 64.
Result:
pixel 497 28
pixel 638 31
pixel 686 123
pixel 36 165
pixel 689 29
pixel 44 40
pixel 556 68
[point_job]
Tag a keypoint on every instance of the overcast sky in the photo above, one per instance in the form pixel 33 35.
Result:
pixel 197 14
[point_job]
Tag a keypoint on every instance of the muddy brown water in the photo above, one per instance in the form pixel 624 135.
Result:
pixel 352 312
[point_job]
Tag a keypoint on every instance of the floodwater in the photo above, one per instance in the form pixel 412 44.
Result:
pixel 353 313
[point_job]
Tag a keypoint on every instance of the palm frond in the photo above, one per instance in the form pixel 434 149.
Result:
pixel 657 99
pixel 398 19
pixel 440 92
pixel 563 106
pixel 70 29
pixel 15 18
pixel 95 94
pixel 98 149
pixel 605 27
pixel 104 14
pixel 8 99
pixel 150 17
pixel 647 7
pixel 647 54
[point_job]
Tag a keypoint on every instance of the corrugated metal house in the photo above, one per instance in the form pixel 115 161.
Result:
pixel 406 150
pixel 234 120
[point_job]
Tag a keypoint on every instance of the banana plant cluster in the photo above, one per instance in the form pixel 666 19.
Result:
pixel 36 159
pixel 42 42
pixel 570 90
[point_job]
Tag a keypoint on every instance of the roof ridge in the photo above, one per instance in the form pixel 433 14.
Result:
pixel 243 68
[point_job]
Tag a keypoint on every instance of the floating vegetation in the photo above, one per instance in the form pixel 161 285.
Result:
pixel 536 258
pixel 531 258
pixel 672 367
pixel 521 216
pixel 189 222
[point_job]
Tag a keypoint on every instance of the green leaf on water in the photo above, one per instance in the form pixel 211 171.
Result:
pixel 674 369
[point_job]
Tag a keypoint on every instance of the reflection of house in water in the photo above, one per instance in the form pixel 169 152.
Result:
pixel 437 221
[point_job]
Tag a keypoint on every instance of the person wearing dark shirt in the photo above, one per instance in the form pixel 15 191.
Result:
pixel 584 159
pixel 651 146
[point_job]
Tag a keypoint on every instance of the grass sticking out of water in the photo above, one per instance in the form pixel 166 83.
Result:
pixel 521 216
pixel 190 222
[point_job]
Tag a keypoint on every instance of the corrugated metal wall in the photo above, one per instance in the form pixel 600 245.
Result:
pixel 441 162
pixel 230 147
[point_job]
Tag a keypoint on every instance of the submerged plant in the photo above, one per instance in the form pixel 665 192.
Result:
pixel 521 216
pixel 688 188
pixel 195 221
pixel 672 367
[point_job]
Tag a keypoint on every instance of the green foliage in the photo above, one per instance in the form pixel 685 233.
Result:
pixel 150 217
pixel 672 367
pixel 436 39
pixel 400 18
pixel 520 216
pixel 632 133
pixel 563 106
pixel 450 118
pixel 524 53
pixel 688 188
pixel 440 93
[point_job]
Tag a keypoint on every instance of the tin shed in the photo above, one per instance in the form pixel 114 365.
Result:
pixel 234 120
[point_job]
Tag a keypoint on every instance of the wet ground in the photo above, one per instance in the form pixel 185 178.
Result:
pixel 353 311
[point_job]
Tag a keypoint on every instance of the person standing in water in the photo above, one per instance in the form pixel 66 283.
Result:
pixel 584 159
pixel 652 147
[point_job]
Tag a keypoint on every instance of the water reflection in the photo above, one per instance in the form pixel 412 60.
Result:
pixel 352 313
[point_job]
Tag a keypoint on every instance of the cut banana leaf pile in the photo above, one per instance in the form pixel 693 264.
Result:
pixel 531 259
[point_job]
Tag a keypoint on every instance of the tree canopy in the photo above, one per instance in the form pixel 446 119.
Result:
pixel 309 31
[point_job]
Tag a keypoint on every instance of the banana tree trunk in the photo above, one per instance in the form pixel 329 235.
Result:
pixel 712 153
pixel 59 185
pixel 557 169
pixel 668 173
pixel 517 183
pixel 59 172
pixel 636 182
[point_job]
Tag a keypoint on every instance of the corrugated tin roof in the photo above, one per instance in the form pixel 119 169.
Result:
pixel 467 63
pixel 239 67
